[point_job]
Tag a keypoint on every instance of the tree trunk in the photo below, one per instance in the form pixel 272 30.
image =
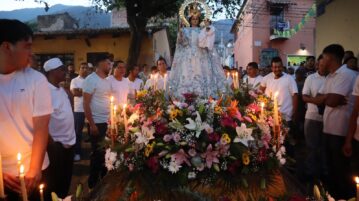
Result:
pixel 137 22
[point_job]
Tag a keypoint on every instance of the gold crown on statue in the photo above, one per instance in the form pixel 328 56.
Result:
pixel 194 10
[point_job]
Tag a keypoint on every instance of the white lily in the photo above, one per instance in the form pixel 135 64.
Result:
pixel 145 136
pixel 196 125
pixel 134 117
pixel 244 134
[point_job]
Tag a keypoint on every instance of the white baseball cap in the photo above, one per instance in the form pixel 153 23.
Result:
pixel 52 64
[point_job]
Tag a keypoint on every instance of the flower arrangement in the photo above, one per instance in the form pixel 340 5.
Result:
pixel 198 140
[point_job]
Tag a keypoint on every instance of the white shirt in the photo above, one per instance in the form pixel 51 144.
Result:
pixel 135 85
pixel 100 89
pixel 119 89
pixel 286 88
pixel 77 83
pixel 356 93
pixel 157 80
pixel 253 82
pixel 24 94
pixel 336 120
pixel 62 125
pixel 312 85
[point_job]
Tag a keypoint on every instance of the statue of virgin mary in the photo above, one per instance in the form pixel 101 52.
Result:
pixel 196 65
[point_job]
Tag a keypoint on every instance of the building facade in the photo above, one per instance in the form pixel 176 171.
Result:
pixel 268 28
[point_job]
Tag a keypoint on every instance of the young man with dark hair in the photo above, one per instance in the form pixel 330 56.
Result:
pixel 309 65
pixel 61 129
pixel 25 109
pixel 119 84
pixel 96 93
pixel 336 95
pixel 79 115
pixel 252 78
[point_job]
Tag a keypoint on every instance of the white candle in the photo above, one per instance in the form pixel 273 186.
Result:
pixel 22 182
pixel 2 192
pixel 19 161
pixel 125 120
pixel 262 110
pixel 115 118
pixel 41 187
pixel 275 112
pixel 357 185
pixel 227 75
pixel 237 80
pixel 165 80
pixel 111 113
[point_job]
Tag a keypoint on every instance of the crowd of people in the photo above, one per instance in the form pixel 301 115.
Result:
pixel 44 117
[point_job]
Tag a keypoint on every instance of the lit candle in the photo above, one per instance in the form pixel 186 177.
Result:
pixel 22 182
pixel 262 110
pixel 165 80
pixel 227 75
pixel 125 121
pixel 41 187
pixel 19 161
pixel 111 113
pixel 357 183
pixel 275 112
pixel 237 80
pixel 2 192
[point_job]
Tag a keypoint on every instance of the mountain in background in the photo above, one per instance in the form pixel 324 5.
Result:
pixel 87 17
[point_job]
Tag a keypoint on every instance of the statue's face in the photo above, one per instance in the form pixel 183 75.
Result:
pixel 194 21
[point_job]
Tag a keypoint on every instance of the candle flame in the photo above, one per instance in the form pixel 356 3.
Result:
pixel 124 106
pixel 262 105
pixel 356 180
pixel 111 99
pixel 276 94
pixel 18 156
pixel 115 108
pixel 22 169
pixel 41 187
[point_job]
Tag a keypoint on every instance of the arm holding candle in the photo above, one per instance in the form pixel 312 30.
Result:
pixel 33 176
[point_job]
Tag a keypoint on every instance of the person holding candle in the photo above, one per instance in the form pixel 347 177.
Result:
pixel 252 78
pixel 160 80
pixel 119 84
pixel 61 129
pixel 287 98
pixel 96 93
pixel 25 110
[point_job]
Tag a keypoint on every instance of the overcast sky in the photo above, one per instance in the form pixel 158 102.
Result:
pixel 19 4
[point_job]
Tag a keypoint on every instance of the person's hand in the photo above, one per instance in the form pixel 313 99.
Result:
pixel 347 148
pixel 32 179
pixel 12 182
pixel 94 129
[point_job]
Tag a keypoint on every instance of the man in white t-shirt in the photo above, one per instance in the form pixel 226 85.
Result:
pixel 253 80
pixel 61 130
pixel 135 84
pixel 277 81
pixel 313 124
pixel 96 94
pixel 119 84
pixel 159 80
pixel 79 115
pixel 336 95
pixel 25 109
pixel 351 145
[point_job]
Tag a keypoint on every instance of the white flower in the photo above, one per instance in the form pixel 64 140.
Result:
pixel 282 161
pixel 174 167
pixel 134 117
pixel 110 159
pixel 196 125
pixel 192 175
pixel 145 136
pixel 244 134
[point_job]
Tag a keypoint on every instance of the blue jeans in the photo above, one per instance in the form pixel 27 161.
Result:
pixel 79 126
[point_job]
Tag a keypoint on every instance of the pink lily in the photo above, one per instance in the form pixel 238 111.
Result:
pixel 180 157
pixel 210 156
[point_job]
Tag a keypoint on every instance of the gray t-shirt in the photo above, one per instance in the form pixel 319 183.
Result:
pixel 101 92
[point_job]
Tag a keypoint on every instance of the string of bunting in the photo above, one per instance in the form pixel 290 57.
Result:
pixel 289 33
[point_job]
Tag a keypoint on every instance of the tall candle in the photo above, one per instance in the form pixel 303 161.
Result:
pixel 41 187
pixel 262 110
pixel 115 117
pixel 164 81
pixel 22 182
pixel 125 120
pixel 237 80
pixel 275 112
pixel 111 113
pixel 19 161
pixel 227 75
pixel 2 192
pixel 357 185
